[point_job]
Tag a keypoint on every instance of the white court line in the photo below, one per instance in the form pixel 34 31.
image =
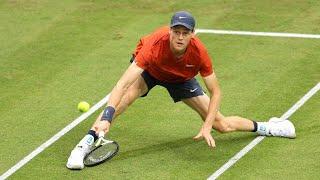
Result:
pixel 258 139
pixel 105 99
pixel 249 33
pixel 54 138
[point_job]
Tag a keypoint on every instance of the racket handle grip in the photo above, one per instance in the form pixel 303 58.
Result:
pixel 101 134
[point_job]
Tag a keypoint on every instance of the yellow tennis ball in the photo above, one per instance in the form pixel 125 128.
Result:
pixel 83 106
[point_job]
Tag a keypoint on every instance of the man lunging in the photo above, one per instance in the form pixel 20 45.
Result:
pixel 171 57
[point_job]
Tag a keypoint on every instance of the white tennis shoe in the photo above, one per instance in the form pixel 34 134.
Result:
pixel 75 160
pixel 281 128
pixel 277 127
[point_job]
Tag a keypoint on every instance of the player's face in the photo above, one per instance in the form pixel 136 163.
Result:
pixel 180 37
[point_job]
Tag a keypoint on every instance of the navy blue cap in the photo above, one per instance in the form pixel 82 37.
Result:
pixel 183 18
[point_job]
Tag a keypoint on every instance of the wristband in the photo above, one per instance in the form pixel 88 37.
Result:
pixel 108 114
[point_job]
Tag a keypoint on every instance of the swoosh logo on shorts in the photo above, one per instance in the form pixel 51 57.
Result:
pixel 193 90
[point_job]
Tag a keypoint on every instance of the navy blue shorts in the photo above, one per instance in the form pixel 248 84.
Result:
pixel 177 91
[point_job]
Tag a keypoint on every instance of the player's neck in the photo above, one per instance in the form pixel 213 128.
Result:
pixel 177 54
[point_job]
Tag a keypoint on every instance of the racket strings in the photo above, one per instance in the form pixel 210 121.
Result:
pixel 101 153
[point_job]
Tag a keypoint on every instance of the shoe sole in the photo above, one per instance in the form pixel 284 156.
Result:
pixel 74 167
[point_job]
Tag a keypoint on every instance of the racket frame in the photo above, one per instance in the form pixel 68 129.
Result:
pixel 97 146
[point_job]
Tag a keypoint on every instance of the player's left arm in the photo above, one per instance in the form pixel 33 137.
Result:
pixel 210 79
pixel 212 85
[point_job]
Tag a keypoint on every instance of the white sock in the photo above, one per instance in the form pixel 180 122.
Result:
pixel 263 128
pixel 86 141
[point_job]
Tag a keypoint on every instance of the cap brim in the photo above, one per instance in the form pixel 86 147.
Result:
pixel 182 24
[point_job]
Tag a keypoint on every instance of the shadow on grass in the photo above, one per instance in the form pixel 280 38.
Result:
pixel 155 148
pixel 186 147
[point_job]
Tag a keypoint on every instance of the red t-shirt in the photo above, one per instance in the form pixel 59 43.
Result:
pixel 153 54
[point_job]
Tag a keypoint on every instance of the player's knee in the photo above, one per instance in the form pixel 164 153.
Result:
pixel 222 129
pixel 222 126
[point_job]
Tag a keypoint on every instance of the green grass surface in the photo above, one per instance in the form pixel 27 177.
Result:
pixel 55 54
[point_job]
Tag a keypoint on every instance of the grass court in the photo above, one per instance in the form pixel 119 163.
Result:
pixel 54 54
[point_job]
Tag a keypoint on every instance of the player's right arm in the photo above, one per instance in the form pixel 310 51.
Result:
pixel 142 55
pixel 127 79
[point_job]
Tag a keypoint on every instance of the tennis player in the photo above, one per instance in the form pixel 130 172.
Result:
pixel 171 57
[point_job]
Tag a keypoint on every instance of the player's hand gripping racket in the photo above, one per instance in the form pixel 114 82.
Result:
pixel 104 150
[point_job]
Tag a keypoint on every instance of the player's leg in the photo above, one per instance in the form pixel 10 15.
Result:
pixel 222 124
pixel 191 93
pixel 75 161
pixel 274 127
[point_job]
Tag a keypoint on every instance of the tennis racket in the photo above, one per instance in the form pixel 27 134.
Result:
pixel 104 150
